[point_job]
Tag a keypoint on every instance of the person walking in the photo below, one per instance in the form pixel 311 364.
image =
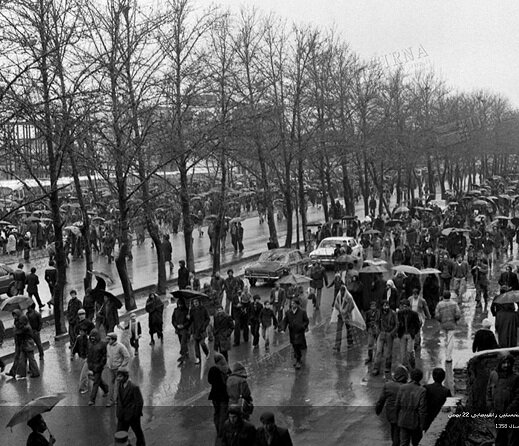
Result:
pixel 411 410
pixel 269 434
pixel 117 356
pixel 24 340
pixel 217 285
pixel 277 300
pixel 484 339
pixel 269 323
pixel 419 305
pixel 344 305
pixel 167 251
pixel 448 314
pixel 408 327
pixel 37 437
pixel 51 277
pixel 241 312
pixel 84 327
pixel 96 361
pixel 32 281
pixel 135 333
pixel 183 276
pixel 239 236
pixel 388 397
pixel 36 323
pixel 445 266
pixel 232 286
pixel 254 320
pixel 238 390
pixel 155 309
pixel 222 331
pixel 460 273
pixel 387 324
pixel 506 323
pixel 129 405
pixel 217 378
pixel 435 396
pixel 19 279
pixel 236 430
pixel 199 317
pixel 74 305
pixel 318 281
pixel 297 322
pixel 480 274
pixel 181 322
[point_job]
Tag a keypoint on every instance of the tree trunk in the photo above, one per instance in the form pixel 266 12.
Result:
pixel 302 200
pixel 347 190
pixel 430 177
pixel 186 216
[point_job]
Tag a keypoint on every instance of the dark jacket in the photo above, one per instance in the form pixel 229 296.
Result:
pixel 318 276
pixel 222 330
pixel 155 309
pixel 199 318
pixel 255 313
pixel 36 439
pixel 281 297
pixel 509 279
pixel 435 397
pixel 74 305
pixel 280 437
pixel 180 318
pixel 297 324
pixel 410 406
pixel 503 388
pixel 32 283
pixel 35 320
pixel 218 381
pixel 242 433
pixel 268 318
pixel 129 402
pixel 183 278
pixel 85 325
pixel 484 340
pixel 388 397
pixel 51 276
pixel 408 322
pixel 237 385
pixel 96 356
pixel 80 346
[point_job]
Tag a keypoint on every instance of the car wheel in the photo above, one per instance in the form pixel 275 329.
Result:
pixel 252 282
pixel 12 290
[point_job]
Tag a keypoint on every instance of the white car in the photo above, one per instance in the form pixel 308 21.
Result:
pixel 326 248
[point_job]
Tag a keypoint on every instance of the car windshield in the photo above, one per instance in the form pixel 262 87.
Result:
pixel 330 243
pixel 273 257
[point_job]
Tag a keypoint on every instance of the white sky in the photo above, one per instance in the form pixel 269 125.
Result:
pixel 471 44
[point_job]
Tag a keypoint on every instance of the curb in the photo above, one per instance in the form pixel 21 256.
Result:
pixel 9 331
pixel 9 357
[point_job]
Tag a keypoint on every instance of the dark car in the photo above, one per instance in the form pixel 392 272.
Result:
pixel 7 285
pixel 276 263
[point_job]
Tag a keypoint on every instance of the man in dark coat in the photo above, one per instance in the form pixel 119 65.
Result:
pixel 25 344
pixel 183 276
pixel 270 434
pixel 129 405
pixel 277 300
pixel 254 320
pixel 508 279
pixel 36 437
pixel 411 410
pixel 222 331
pixel 408 328
pixel 435 396
pixel 297 322
pixel 96 361
pixel 155 309
pixel 318 281
pixel 51 277
pixel 484 339
pixel 32 281
pixel 74 305
pixel 236 431
pixel 199 317
pixel 167 251
pixel 232 286
pixel 388 399
pixel 36 324
pixel 19 278
pixel 445 266
pixel 180 321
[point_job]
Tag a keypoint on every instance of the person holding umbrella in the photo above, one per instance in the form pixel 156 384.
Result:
pixel 37 437
pixel 181 322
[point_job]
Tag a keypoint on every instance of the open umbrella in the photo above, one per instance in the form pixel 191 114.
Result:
pixel 371 232
pixel 46 220
pixel 33 219
pixel 212 217
pixel 430 271
pixel 102 275
pixel 74 229
pixel 512 263
pixel 479 203
pixel 236 220
pixel 449 231
pixel 16 303
pixel 346 258
pixel 189 295
pixel 401 210
pixel 35 407
pixel 375 262
pixel 509 297
pixel 98 219
pixel 394 222
pixel 294 279
pixel 373 269
pixel 4 223
pixel 406 269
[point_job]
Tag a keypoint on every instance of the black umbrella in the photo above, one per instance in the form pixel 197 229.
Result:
pixel 188 295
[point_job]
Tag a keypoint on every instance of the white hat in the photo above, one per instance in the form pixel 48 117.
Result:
pixel 486 323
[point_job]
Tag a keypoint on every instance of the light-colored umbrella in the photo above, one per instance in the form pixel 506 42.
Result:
pixel 102 275
pixel 35 407
pixel 430 271
pixel 401 210
pixel 373 269
pixel 74 229
pixel 406 269
pixel 16 303
pixel 509 297
pixel 294 279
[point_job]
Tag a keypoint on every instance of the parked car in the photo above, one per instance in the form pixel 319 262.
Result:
pixel 326 248
pixel 7 285
pixel 276 263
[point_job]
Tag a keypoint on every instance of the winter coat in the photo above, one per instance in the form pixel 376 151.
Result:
pixel 23 334
pixel 506 325
pixel 223 327
pixel 387 322
pixel 183 278
pixel 509 279
pixel 318 277
pixel 96 356
pixel 411 409
pixel 281 297
pixel 117 356
pixel 388 399
pixel 408 322
pixel 199 318
pixel 255 313
pixel 447 313
pixel 32 283
pixel 81 346
pixel 35 320
pixel 237 385
pixel 297 324
pixel 242 433
pixel 484 339
pixel 435 397
pixel 280 437
pixel 85 325
pixel 268 318
pixel 180 319
pixel 129 402
pixel 89 305
pixel 218 381
pixel 74 305
pixel 503 389
pixel 155 309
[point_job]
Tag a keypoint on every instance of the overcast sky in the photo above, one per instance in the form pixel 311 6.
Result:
pixel 472 44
